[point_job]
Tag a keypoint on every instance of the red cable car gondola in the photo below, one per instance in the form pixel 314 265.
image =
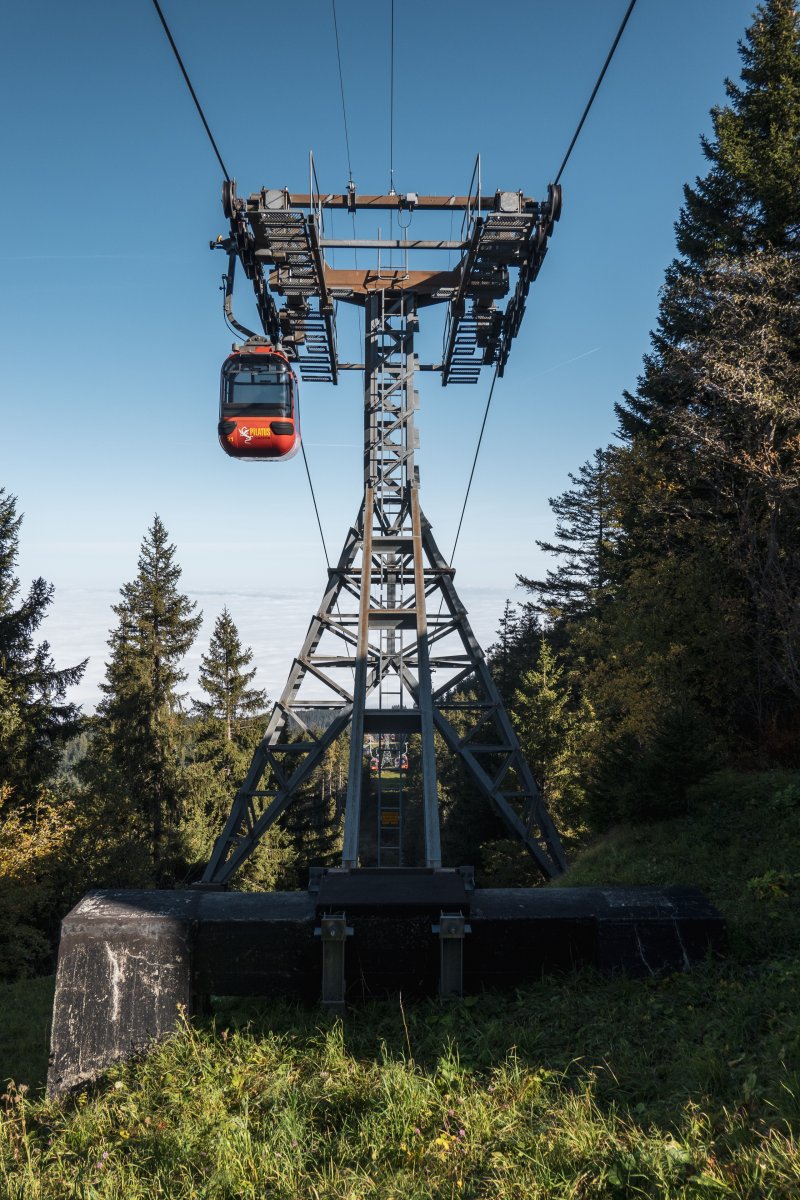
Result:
pixel 259 415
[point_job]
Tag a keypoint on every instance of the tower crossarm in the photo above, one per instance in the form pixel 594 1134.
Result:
pixel 477 332
pixel 279 239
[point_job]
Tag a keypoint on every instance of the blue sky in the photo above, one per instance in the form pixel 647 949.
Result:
pixel 111 326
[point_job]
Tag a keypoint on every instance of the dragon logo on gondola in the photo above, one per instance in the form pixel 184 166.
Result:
pixel 246 434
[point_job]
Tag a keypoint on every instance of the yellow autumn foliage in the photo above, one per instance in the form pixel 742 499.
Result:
pixel 35 855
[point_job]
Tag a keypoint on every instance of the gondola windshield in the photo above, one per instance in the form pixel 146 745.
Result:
pixel 256 385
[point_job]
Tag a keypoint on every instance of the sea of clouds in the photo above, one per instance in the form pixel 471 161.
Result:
pixel 273 625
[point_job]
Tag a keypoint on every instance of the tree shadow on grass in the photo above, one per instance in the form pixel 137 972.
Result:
pixel 719 1037
pixel 26 1009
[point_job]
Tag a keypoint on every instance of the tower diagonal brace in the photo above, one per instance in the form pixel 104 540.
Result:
pixel 535 829
pixel 250 817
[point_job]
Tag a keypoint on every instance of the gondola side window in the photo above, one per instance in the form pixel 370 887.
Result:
pixel 252 387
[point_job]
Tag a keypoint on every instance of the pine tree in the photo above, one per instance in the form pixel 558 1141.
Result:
pixel 750 199
pixel 225 681
pixel 139 731
pixel 748 203
pixel 733 431
pixel 35 718
pixel 519 635
pixel 501 653
pixel 708 474
pixel 585 529
pixel 225 731
pixel 699 629
pixel 553 730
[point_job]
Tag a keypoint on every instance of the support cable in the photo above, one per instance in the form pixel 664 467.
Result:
pixel 228 178
pixel 469 482
pixel 620 32
pixel 341 89
pixel 346 136
pixel 474 463
pixel 316 509
pixel 191 89
pixel 325 548
pixel 198 106
pixel 391 128
pixel 595 90
pixel 391 103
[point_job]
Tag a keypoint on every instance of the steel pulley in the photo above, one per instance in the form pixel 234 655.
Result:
pixel 230 201
pixel 554 202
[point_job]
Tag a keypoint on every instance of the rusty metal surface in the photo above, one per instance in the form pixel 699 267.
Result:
pixel 361 282
pixel 396 202
pixel 284 230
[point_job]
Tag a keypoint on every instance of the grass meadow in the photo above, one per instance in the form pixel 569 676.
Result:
pixel 685 1085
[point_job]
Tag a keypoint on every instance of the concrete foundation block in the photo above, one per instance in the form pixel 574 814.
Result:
pixel 124 976
pixel 130 961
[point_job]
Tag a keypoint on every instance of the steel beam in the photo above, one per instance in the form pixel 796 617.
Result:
pixel 355 201
pixel 352 818
pixel 384 244
pixel 430 795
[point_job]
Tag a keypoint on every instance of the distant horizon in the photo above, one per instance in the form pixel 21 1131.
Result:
pixel 80 619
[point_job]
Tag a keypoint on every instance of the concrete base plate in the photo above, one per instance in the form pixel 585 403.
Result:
pixel 131 961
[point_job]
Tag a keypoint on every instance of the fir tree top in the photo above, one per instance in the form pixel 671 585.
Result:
pixel 157 625
pixel 746 207
pixel 224 679
pixel 750 199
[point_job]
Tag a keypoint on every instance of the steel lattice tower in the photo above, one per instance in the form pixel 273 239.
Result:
pixel 390 648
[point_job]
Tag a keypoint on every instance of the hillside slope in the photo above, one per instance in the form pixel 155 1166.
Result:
pixel 580 1086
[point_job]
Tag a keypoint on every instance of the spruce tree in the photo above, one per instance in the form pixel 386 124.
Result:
pixel 707 479
pixel 501 653
pixel 748 203
pixel 35 717
pixel 553 730
pixel 226 729
pixel 139 731
pixel 750 198
pixel 585 529
pixel 225 681
pixel 519 635
pixel 702 587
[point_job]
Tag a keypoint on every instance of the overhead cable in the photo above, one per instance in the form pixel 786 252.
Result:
pixel 620 32
pixel 191 89
pixel 474 463
pixel 595 90
pixel 341 89
pixel 391 103
pixel 346 140
pixel 316 509
pixel 228 178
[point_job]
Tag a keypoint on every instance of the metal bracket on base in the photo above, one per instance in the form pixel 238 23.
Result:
pixel 334 932
pixel 451 929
